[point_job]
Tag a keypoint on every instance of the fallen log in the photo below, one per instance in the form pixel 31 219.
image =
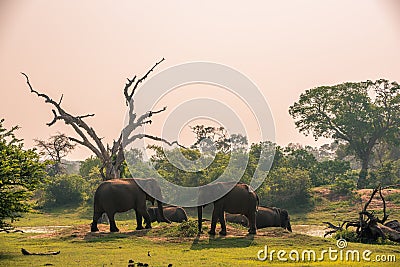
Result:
pixel 25 252
pixel 390 233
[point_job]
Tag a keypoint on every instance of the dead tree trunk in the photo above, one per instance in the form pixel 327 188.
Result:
pixel 368 226
pixel 111 157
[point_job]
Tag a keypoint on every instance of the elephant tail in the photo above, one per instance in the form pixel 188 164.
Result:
pixel 258 201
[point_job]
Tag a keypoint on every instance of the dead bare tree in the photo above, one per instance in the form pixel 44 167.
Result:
pixel 112 156
pixel 368 226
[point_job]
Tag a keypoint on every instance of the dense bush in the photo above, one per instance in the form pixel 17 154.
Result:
pixel 188 228
pixel 348 235
pixel 326 172
pixel 286 187
pixel 66 189
pixel 387 174
pixel 345 184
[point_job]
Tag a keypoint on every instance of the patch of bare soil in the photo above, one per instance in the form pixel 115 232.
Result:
pixel 376 203
pixel 156 234
pixel 365 194
pixel 329 194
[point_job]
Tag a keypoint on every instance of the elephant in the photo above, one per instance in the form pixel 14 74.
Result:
pixel 265 217
pixel 240 199
pixel 120 195
pixel 271 216
pixel 172 213
pixel 238 218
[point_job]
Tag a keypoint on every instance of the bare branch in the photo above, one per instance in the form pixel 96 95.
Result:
pixel 156 138
pixel 84 116
pixel 75 121
pixel 145 76
pixel 128 96
pixel 61 98
pixel 385 216
pixel 56 117
pixel 141 119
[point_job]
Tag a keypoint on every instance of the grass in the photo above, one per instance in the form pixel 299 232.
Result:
pixel 176 243
pixel 109 249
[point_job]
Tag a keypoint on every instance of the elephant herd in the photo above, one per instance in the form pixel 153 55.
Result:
pixel 241 205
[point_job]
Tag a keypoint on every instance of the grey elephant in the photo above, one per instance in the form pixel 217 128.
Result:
pixel 241 199
pixel 271 216
pixel 238 218
pixel 265 217
pixel 120 195
pixel 172 213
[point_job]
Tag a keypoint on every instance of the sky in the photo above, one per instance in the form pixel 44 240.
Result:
pixel 85 50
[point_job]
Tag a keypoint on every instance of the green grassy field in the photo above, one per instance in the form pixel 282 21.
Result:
pixel 79 247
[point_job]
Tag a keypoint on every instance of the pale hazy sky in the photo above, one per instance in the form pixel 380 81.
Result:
pixel 86 50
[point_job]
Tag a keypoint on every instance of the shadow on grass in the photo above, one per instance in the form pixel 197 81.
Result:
pixel 4 256
pixel 107 236
pixel 222 242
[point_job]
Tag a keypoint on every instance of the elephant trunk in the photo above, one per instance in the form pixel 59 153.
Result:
pixel 289 227
pixel 160 213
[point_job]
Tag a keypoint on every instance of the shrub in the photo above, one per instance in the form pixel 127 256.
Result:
pixel 66 189
pixel 345 184
pixel 325 172
pixel 348 235
pixel 387 174
pixel 188 228
pixel 286 187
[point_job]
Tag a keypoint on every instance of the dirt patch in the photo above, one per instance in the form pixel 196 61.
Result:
pixel 329 194
pixel 376 203
pixel 158 233
pixel 365 194
pixel 43 229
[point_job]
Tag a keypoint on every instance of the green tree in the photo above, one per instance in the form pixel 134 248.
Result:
pixel 87 166
pixel 360 114
pixel 387 174
pixel 298 157
pixel 21 172
pixel 66 189
pixel 56 148
pixel 286 187
pixel 326 172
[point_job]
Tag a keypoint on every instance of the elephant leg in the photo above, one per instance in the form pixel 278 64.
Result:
pixel 214 220
pixel 199 219
pixel 146 216
pixel 138 220
pixel 252 223
pixel 113 225
pixel 93 225
pixel 223 223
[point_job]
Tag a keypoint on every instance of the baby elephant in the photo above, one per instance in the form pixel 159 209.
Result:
pixel 172 213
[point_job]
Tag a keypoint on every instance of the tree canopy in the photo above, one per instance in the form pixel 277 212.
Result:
pixel 360 114
pixel 20 173
pixel 56 148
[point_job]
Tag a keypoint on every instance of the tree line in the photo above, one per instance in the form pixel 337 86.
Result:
pixel 362 118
